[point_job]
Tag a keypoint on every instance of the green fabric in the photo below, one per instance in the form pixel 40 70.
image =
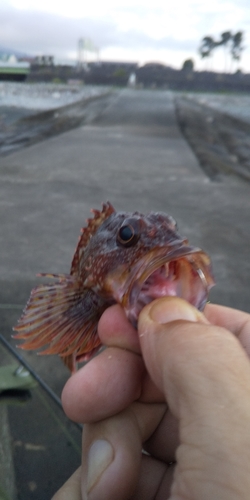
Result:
pixel 15 383
pixel 3 494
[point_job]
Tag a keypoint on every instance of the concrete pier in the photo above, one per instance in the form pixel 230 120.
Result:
pixel 133 154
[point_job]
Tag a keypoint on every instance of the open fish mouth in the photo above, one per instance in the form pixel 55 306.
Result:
pixel 184 272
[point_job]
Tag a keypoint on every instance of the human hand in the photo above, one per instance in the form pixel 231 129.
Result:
pixel 203 374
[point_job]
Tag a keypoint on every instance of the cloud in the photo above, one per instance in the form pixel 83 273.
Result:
pixel 125 29
pixel 38 32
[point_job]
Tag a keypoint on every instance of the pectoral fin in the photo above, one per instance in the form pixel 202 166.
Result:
pixel 63 316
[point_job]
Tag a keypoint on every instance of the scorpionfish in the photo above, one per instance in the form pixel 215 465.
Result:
pixel 125 258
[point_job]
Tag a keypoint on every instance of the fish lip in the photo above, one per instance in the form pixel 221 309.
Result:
pixel 152 261
pixel 148 264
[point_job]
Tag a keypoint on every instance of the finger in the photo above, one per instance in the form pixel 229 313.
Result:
pixel 114 329
pixel 114 379
pixel 205 375
pixel 112 452
pixel 165 439
pixel 237 322
pixel 155 478
pixel 71 490
pixel 106 385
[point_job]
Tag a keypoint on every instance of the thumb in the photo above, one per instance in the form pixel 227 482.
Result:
pixel 167 329
pixel 187 357
pixel 205 376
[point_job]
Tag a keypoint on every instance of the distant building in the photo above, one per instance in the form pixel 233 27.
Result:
pixel 109 72
pixel 44 60
pixel 17 71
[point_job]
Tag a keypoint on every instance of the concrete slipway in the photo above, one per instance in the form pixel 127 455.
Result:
pixel 133 154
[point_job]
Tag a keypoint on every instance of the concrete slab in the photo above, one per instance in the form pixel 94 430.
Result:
pixel 135 156
pixel 7 475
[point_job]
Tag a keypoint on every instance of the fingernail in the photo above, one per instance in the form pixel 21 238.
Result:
pixel 101 455
pixel 170 309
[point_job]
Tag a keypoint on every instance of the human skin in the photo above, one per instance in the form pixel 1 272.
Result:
pixel 179 388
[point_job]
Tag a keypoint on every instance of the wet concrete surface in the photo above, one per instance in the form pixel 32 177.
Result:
pixel 21 127
pixel 133 154
pixel 220 141
pixel 236 105
pixel 42 96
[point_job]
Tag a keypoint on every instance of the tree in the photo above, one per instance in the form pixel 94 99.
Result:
pixel 231 43
pixel 188 66
pixel 226 37
pixel 236 47
pixel 207 46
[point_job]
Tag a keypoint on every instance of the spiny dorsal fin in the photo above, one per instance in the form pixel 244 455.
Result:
pixel 87 232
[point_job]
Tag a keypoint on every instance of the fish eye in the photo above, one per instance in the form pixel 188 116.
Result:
pixel 128 234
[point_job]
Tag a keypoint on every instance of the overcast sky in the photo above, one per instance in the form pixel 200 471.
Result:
pixel 167 31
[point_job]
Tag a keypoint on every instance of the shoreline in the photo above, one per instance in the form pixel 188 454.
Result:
pixel 22 127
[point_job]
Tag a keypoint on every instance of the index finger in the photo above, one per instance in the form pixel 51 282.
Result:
pixel 114 329
pixel 237 322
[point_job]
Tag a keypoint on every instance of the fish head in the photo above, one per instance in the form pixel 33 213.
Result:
pixel 133 259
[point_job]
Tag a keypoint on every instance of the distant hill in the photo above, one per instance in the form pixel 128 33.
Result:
pixel 7 51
